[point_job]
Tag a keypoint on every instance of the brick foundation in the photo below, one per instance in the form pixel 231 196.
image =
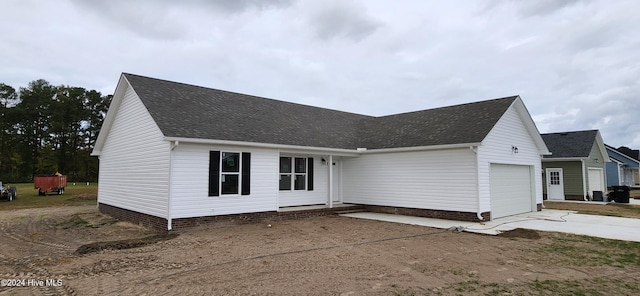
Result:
pixel 160 224
pixel 438 214
pixel 148 221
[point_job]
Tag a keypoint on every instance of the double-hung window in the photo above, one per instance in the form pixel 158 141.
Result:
pixel 229 173
pixel 296 173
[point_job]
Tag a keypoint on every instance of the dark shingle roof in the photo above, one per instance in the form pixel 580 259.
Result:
pixel 189 111
pixel 466 123
pixel 570 144
pixel 633 153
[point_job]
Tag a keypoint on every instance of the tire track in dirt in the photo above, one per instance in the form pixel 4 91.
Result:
pixel 34 271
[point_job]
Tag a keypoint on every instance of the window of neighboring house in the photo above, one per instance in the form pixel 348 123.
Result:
pixel 554 178
pixel 229 173
pixel 296 173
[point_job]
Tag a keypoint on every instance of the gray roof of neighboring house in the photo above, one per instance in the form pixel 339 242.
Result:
pixel 188 111
pixel 633 153
pixel 620 156
pixel 570 144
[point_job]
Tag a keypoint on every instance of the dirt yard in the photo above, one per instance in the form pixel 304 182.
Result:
pixel 316 256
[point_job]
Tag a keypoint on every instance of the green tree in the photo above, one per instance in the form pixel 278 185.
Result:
pixel 33 125
pixel 8 99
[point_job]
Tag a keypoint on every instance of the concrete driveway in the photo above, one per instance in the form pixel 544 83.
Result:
pixel 627 229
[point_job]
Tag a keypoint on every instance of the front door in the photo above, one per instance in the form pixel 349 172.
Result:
pixel 337 180
pixel 555 184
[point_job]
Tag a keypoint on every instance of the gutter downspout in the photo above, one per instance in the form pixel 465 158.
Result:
pixel 330 181
pixel 98 197
pixel 174 144
pixel 584 181
pixel 478 212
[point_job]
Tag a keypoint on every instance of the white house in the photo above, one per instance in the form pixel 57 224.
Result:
pixel 171 152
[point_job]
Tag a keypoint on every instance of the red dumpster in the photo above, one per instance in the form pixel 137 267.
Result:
pixel 50 184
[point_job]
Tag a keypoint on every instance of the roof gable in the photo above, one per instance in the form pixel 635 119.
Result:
pixel 192 112
pixel 621 157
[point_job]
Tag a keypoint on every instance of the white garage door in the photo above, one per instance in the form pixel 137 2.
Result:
pixel 511 190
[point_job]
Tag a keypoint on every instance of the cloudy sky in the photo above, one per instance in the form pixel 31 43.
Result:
pixel 576 64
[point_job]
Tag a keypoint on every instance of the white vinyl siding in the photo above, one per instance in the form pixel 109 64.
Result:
pixel 190 179
pixel 497 148
pixel 320 192
pixel 134 164
pixel 436 179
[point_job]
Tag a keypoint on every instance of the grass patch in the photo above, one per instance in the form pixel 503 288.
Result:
pixel 76 221
pixel 75 195
pixel 562 288
pixel 593 251
pixel 586 287
pixel 475 287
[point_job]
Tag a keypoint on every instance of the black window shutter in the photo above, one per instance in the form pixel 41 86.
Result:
pixel 246 173
pixel 214 173
pixel 310 173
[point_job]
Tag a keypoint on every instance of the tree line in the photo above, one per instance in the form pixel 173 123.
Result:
pixel 46 129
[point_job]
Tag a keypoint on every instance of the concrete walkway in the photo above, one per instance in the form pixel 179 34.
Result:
pixel 627 229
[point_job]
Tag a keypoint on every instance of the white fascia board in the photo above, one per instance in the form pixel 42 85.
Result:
pixel 319 150
pixel 420 148
pixel 563 159
pixel 603 149
pixel 116 100
pixel 282 147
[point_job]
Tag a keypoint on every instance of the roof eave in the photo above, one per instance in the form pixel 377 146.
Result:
pixel 292 148
pixel 420 148
pixel 563 159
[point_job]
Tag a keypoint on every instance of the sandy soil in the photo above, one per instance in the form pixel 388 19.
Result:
pixel 315 256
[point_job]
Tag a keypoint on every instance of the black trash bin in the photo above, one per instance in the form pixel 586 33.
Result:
pixel 621 194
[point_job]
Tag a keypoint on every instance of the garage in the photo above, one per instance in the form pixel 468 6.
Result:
pixel 511 190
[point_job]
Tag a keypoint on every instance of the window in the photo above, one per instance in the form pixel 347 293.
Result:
pixel 229 173
pixel 230 177
pixel 554 178
pixel 285 173
pixel 296 173
pixel 300 179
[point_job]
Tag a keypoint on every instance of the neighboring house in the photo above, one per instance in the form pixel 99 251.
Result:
pixel 575 168
pixel 634 154
pixel 622 170
pixel 170 152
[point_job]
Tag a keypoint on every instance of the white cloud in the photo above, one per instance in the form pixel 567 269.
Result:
pixel 575 63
